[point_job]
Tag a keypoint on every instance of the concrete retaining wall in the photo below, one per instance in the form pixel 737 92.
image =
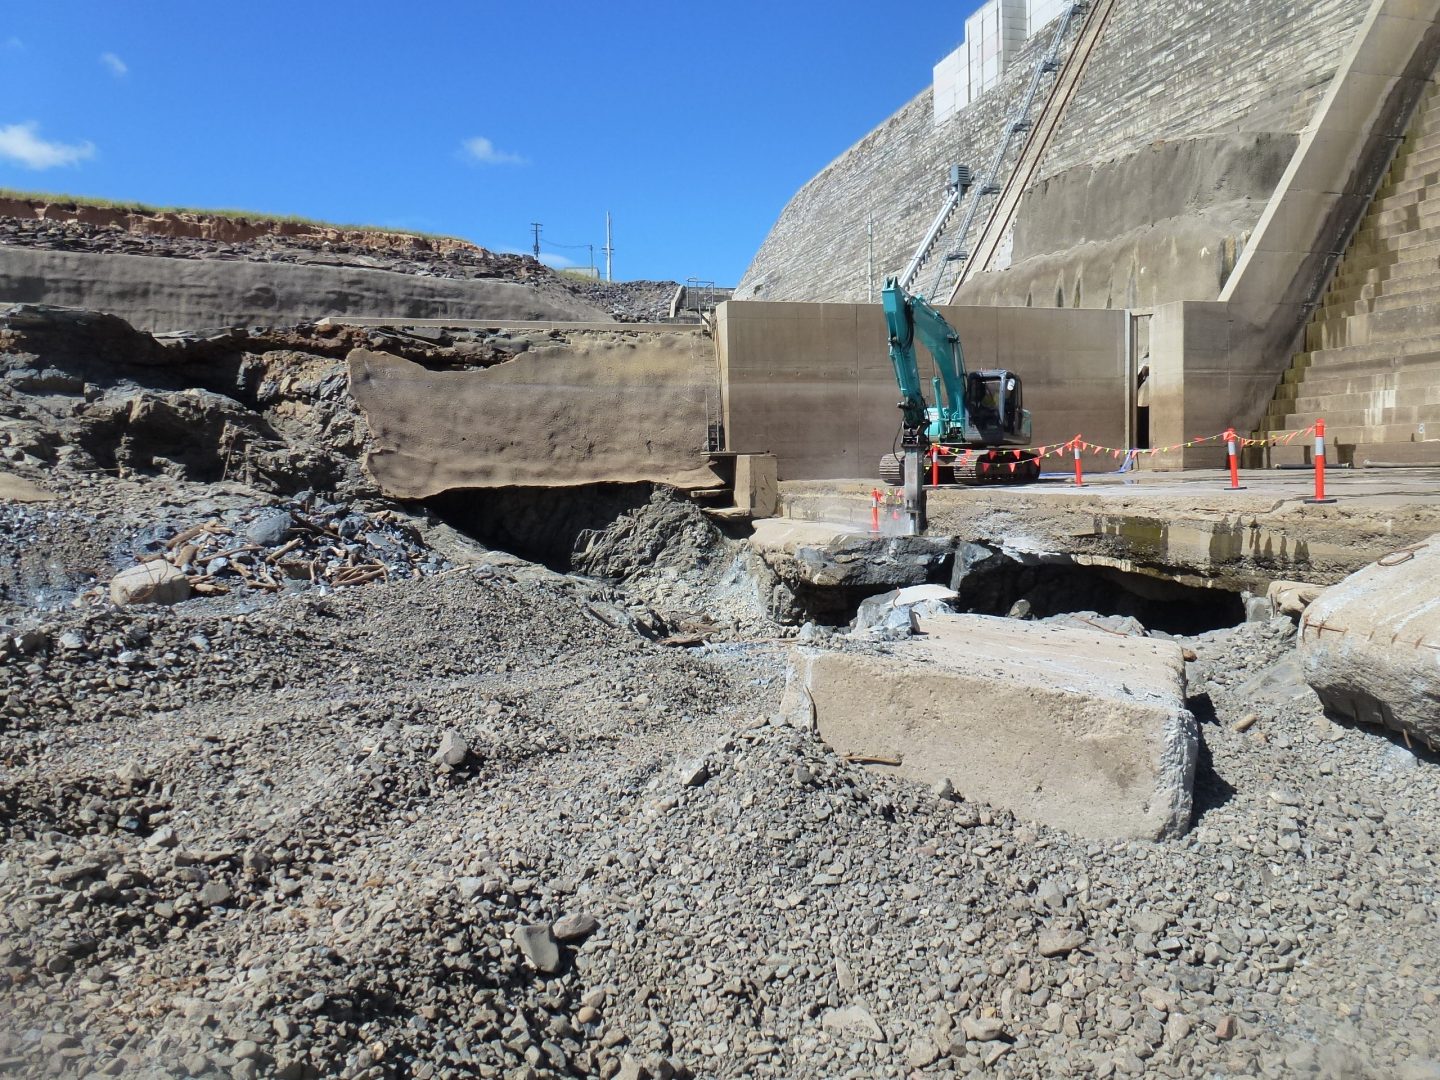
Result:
pixel 1247 72
pixel 160 294
pixel 812 383
pixel 594 407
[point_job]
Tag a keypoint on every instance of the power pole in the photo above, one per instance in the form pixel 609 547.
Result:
pixel 609 249
pixel 536 226
pixel 593 274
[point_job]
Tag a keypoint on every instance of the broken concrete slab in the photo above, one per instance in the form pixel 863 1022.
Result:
pixel 1079 730
pixel 837 556
pixel 1370 646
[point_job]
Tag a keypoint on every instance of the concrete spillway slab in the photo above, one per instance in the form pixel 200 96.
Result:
pixel 1081 731
pixel 1370 646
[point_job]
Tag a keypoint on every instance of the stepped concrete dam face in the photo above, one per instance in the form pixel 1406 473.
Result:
pixel 1178 131
pixel 415 663
pixel 1202 173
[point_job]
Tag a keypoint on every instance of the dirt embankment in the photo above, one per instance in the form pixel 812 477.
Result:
pixel 234 229
pixel 186 234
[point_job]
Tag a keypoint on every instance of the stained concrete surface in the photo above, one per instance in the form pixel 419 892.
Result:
pixel 1160 73
pixel 1159 225
pixel 1079 730
pixel 813 383
pixel 593 407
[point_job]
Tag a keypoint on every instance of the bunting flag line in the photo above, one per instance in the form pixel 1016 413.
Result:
pixel 1131 453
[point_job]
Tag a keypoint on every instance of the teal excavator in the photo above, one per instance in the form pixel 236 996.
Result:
pixel 976 416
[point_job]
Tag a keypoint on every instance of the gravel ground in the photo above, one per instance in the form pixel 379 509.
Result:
pixel 463 824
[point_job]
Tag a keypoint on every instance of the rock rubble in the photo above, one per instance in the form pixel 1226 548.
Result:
pixel 492 819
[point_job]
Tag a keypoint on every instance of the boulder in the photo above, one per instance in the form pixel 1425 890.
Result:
pixel 537 943
pixel 1370 646
pixel 154 582
pixel 824 569
pixel 1291 597
pixel 1076 729
pixel 269 528
pixel 816 554
pixel 917 599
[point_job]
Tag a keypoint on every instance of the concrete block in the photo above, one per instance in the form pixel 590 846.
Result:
pixel 1369 645
pixel 757 484
pixel 1074 729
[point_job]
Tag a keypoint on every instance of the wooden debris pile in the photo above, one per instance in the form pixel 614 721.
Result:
pixel 298 546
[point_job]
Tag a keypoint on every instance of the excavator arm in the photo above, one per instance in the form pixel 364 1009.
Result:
pixel 908 317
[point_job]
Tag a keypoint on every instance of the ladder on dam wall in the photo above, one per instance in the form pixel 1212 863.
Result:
pixel 1371 359
pixel 1017 124
pixel 1002 215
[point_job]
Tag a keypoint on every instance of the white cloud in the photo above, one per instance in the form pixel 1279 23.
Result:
pixel 117 67
pixel 13 42
pixel 20 143
pixel 483 152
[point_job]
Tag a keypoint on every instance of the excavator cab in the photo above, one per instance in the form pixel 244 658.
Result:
pixel 994 405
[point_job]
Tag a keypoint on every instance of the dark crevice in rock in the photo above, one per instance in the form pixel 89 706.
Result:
pixel 993 583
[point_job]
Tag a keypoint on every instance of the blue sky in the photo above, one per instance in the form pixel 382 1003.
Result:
pixel 692 123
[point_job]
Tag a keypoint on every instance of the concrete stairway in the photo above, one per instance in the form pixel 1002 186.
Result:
pixel 1371 367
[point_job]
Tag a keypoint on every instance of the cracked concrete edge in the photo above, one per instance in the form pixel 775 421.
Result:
pixel 797 705
pixel 1179 755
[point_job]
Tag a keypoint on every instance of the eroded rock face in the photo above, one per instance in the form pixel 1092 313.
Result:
pixel 1370 646
pixel 603 408
pixel 824 569
pixel 1079 730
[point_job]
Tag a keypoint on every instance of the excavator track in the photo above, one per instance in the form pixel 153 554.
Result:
pixel 989 467
pixel 1003 467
